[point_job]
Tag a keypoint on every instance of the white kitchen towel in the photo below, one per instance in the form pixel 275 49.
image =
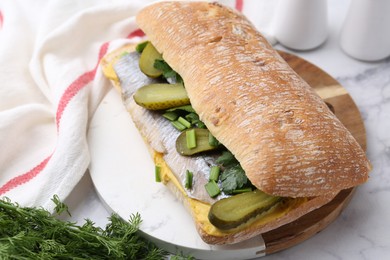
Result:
pixel 51 84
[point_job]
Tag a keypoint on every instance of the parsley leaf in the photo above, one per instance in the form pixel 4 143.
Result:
pixel 227 159
pixel 186 108
pixel 141 46
pixel 233 178
pixel 167 71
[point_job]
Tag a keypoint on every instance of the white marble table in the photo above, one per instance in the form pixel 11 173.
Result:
pixel 363 229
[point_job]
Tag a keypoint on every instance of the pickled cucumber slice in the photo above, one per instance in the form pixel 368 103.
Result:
pixel 161 96
pixel 233 211
pixel 147 59
pixel 202 142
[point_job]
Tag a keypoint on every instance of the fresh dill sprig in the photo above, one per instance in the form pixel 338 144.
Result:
pixel 60 206
pixel 34 233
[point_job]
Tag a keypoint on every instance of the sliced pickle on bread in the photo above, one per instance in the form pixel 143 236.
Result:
pixel 231 212
pixel 161 96
pixel 146 62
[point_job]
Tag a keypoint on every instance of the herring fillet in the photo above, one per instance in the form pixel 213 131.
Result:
pixel 159 132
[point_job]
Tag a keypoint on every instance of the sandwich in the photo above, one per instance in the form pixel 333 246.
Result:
pixel 234 132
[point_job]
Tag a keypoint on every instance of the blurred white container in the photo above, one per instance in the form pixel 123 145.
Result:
pixel 366 31
pixel 301 24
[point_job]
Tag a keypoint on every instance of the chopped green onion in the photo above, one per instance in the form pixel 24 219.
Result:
pixel 200 124
pixel 186 108
pixel 141 46
pixel 124 53
pixel 167 71
pixel 171 116
pixel 212 188
pixel 157 173
pixel 214 173
pixel 192 117
pixel 189 177
pixel 184 122
pixel 213 141
pixel 238 191
pixel 191 138
pixel 179 126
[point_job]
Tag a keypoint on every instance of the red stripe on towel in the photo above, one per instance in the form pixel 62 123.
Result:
pixel 69 93
pixel 24 177
pixel 239 5
pixel 77 85
pixel 136 33
pixel 1 19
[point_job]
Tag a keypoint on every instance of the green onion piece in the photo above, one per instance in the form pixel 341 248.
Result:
pixel 141 46
pixel 184 122
pixel 192 117
pixel 167 71
pixel 191 138
pixel 214 173
pixel 186 108
pixel 178 125
pixel 171 116
pixel 200 124
pixel 189 177
pixel 213 141
pixel 124 53
pixel 212 188
pixel 238 191
pixel 157 173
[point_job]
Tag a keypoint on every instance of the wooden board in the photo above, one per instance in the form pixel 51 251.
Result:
pixel 346 110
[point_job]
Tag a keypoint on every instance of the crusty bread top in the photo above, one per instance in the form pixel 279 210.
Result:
pixel 287 140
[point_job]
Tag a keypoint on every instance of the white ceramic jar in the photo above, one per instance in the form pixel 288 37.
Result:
pixel 301 24
pixel 366 31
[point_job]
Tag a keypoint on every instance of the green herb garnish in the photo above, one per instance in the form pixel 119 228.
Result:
pixel 191 139
pixel 186 108
pixel 213 141
pixel 179 126
pixel 157 173
pixel 34 233
pixel 189 178
pixel 124 53
pixel 167 71
pixel 212 188
pixel 141 46
pixel 188 113
pixel 214 173
pixel 233 178
pixel 194 119
pixel 227 159
pixel 171 116
pixel 184 122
